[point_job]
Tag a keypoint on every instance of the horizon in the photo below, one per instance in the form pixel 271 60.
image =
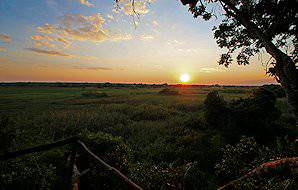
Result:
pixel 48 41
pixel 149 84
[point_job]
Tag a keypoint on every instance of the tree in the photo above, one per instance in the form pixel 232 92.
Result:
pixel 250 26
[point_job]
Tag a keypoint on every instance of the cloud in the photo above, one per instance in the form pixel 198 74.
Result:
pixel 46 44
pixel 121 37
pixel 129 8
pixel 155 23
pixel 2 49
pixel 146 37
pixel 111 17
pixel 48 38
pixel 78 27
pixel 94 68
pixel 209 70
pixel 5 38
pixel 175 42
pixel 61 54
pixel 46 28
pixel 87 3
pixel 49 52
pixel 188 50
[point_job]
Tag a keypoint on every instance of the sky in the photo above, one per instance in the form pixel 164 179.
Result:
pixel 100 41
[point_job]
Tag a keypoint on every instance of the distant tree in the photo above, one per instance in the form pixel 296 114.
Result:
pixel 249 26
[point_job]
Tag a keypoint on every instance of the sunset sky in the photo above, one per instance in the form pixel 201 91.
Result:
pixel 96 41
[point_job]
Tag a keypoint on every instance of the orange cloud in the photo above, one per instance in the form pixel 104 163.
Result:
pixel 2 48
pixel 87 3
pixel 59 53
pixel 46 28
pixel 48 38
pixel 49 52
pixel 46 44
pixel 78 27
pixel 94 68
pixel 5 38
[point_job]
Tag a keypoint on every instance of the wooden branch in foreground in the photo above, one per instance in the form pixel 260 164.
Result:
pixel 265 168
pixel 126 179
pixel 40 148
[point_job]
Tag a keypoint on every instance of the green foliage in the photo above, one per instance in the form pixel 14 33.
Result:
pixel 194 179
pixel 168 91
pixel 278 91
pixel 152 138
pixel 216 109
pixel 7 134
pixel 241 158
pixel 93 94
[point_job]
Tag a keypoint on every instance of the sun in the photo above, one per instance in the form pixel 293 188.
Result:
pixel 184 78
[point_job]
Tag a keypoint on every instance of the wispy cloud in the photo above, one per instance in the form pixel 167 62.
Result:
pixel 5 38
pixel 111 17
pixel 137 7
pixel 78 27
pixel 146 37
pixel 94 68
pixel 188 50
pixel 61 54
pixel 2 48
pixel 210 70
pixel 41 43
pixel 86 3
pixel 49 52
pixel 48 38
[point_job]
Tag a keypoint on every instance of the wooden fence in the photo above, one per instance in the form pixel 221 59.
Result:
pixel 72 171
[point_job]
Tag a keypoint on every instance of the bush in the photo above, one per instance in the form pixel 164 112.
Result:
pixel 112 150
pixel 168 91
pixel 247 154
pixel 216 111
pixel 94 94
pixel 277 90
pixel 254 116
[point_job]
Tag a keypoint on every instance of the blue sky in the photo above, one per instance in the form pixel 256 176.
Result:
pixel 79 40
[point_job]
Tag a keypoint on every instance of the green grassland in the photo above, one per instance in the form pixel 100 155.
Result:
pixel 152 137
pixel 14 100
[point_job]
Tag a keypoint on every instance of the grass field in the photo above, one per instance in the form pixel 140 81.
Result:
pixel 15 100
pixel 152 135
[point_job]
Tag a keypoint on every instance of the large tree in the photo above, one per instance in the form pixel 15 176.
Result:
pixel 250 26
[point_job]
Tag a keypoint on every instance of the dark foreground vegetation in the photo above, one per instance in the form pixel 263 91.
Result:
pixel 162 138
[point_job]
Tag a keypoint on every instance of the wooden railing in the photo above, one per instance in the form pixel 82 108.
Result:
pixel 72 171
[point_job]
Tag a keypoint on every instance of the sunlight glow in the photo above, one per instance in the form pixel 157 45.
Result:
pixel 184 78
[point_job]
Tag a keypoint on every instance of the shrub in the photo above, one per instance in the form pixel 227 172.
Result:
pixel 113 151
pixel 277 90
pixel 215 110
pixel 94 94
pixel 168 91
pixel 247 154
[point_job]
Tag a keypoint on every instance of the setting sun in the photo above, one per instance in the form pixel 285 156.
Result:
pixel 184 78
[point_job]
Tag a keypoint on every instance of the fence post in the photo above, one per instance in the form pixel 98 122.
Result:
pixel 70 166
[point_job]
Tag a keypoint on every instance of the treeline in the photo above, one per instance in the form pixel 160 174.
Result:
pixel 80 84
pixel 115 85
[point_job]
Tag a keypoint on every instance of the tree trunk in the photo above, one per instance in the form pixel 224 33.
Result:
pixel 288 77
pixel 286 71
